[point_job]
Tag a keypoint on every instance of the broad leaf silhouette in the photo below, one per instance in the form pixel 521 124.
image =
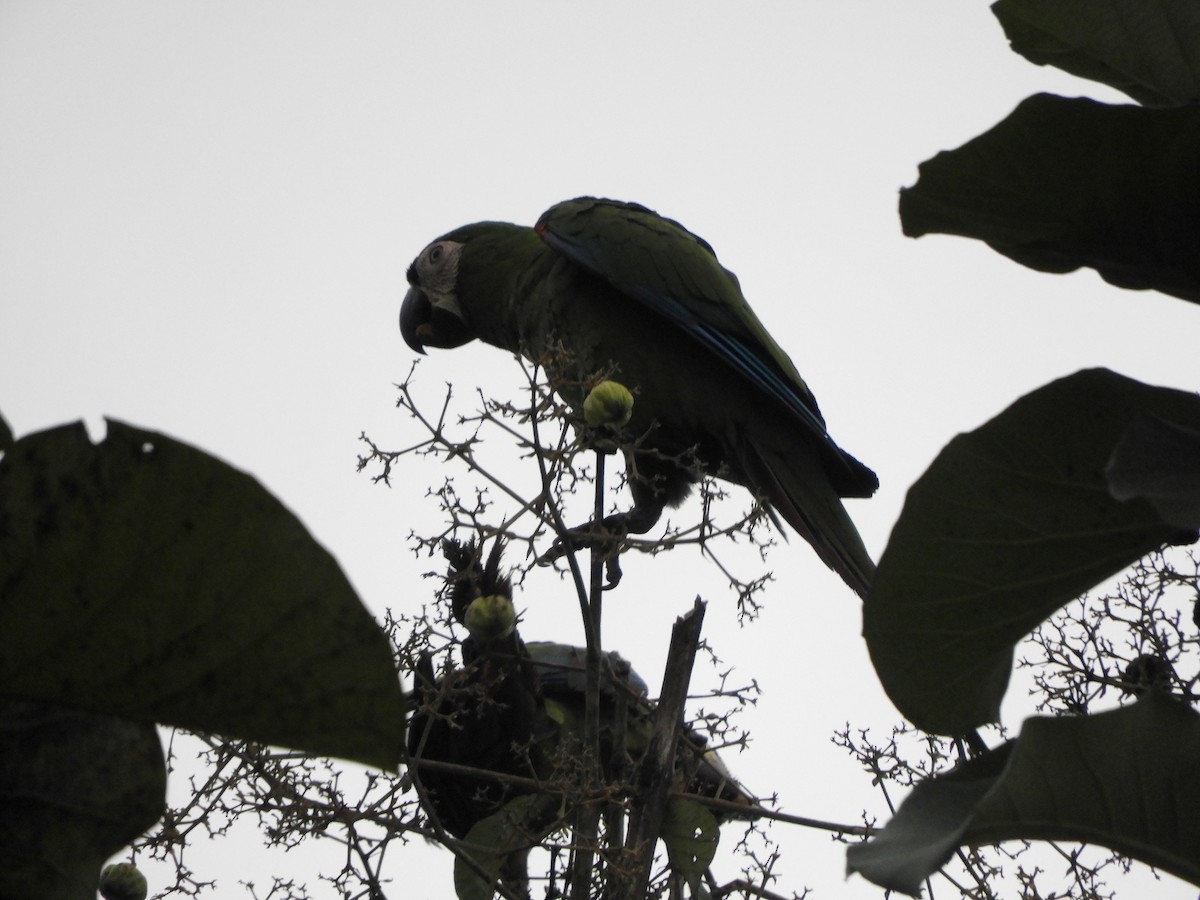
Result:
pixel 1159 461
pixel 1063 183
pixel 1150 50
pixel 1009 522
pixel 75 787
pixel 143 578
pixel 1125 779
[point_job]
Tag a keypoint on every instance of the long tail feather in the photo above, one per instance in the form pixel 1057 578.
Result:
pixel 799 490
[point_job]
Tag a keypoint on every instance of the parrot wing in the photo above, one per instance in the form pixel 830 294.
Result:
pixel 561 674
pixel 661 264
pixel 562 668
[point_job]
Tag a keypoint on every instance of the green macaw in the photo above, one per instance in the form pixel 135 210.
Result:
pixel 631 295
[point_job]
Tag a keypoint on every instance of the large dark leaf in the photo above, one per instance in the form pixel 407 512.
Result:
pixel 1063 183
pixel 143 578
pixel 1124 779
pixel 1010 522
pixel 75 788
pixel 1150 49
pixel 1159 461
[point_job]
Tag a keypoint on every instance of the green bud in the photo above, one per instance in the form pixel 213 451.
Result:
pixel 609 403
pixel 122 881
pixel 491 618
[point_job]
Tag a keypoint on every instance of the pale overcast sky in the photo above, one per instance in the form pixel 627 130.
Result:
pixel 207 209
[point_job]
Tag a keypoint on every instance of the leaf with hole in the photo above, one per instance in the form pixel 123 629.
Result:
pixel 143 578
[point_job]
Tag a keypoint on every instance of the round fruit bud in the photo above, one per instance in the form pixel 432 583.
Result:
pixel 491 618
pixel 609 403
pixel 122 881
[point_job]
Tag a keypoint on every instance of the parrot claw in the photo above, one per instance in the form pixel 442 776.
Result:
pixel 612 571
pixel 605 539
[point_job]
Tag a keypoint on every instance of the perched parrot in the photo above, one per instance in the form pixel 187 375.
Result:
pixel 636 297
pixel 513 708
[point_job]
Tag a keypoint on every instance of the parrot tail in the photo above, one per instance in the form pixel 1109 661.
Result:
pixel 797 488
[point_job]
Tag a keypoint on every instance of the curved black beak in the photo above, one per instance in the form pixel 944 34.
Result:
pixel 424 325
pixel 415 312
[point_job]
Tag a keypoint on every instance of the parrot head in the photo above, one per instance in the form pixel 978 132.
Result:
pixel 431 315
pixel 461 287
pixel 471 579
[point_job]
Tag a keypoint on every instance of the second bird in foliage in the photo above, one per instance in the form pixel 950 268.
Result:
pixel 600 287
pixel 510 723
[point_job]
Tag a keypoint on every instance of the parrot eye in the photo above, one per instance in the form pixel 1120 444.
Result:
pixel 437 266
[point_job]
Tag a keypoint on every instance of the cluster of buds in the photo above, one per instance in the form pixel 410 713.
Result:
pixel 608 404
pixel 123 881
pixel 490 618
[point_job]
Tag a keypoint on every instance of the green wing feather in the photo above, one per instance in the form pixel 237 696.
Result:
pixel 676 273
pixel 665 265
